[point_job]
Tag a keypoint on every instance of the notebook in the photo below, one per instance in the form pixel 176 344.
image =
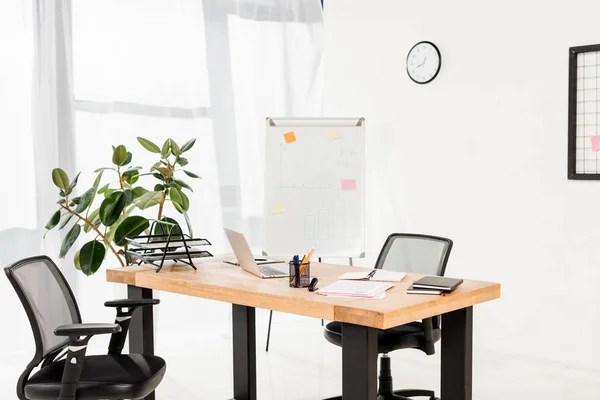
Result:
pixel 412 290
pixel 374 275
pixel 437 283
pixel 355 289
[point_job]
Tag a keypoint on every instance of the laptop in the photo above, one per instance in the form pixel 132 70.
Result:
pixel 246 259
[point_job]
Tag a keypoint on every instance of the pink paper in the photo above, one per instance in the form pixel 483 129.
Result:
pixel 348 184
pixel 595 143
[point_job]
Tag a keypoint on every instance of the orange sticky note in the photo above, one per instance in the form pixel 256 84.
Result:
pixel 333 135
pixel 595 143
pixel 348 184
pixel 289 137
pixel 278 209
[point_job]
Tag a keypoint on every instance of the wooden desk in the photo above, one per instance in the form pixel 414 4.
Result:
pixel 361 319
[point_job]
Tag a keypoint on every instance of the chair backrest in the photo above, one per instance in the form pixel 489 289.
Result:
pixel 409 252
pixel 47 299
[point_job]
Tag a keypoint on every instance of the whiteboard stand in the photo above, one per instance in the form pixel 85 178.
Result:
pixel 314 191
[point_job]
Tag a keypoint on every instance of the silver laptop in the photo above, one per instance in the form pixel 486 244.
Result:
pixel 246 259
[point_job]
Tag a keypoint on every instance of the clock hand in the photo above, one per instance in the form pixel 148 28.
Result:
pixel 424 59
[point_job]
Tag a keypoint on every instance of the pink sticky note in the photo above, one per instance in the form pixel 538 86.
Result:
pixel 595 143
pixel 348 184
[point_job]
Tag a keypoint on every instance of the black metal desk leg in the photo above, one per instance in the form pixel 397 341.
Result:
pixel 457 355
pixel 141 329
pixel 359 362
pixel 244 353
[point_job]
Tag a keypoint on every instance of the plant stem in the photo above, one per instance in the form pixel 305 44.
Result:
pixel 95 228
pixel 163 196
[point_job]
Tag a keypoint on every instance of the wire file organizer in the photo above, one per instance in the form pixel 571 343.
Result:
pixel 169 244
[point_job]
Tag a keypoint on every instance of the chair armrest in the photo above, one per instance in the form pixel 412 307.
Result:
pixel 79 335
pixel 125 309
pixel 86 329
pixel 131 303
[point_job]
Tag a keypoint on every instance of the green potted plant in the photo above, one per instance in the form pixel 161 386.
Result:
pixel 107 213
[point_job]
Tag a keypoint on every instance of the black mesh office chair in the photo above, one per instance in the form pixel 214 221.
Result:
pixel 407 253
pixel 57 329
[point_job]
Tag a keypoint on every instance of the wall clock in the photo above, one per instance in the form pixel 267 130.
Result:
pixel 423 62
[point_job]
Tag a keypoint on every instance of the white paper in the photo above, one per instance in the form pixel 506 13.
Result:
pixel 359 289
pixel 381 275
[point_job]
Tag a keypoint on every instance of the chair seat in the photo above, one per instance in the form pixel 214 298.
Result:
pixel 409 336
pixel 129 376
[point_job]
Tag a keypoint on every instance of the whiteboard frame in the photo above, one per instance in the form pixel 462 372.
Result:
pixel 318 122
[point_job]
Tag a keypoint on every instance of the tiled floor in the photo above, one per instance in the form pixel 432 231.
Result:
pixel 195 339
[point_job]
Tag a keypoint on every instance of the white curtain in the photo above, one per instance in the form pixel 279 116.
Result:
pixel 80 76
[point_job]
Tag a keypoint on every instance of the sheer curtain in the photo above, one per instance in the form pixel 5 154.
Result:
pixel 80 76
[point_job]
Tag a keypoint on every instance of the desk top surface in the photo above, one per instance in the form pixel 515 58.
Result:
pixel 217 280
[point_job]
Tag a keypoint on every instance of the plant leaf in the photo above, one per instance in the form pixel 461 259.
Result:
pixel 105 168
pixel 130 227
pixel 109 192
pixel 148 145
pixel 86 200
pixel 188 223
pixel 60 178
pixel 158 176
pixel 128 159
pixel 54 220
pixel 93 218
pixel 72 184
pixel 183 184
pixel 175 150
pixel 128 197
pixel 178 208
pixel 138 191
pixel 119 155
pixel 175 230
pixel 66 218
pixel 159 188
pixel 188 145
pixel 70 238
pixel 164 171
pixel 95 187
pixel 76 258
pixel 132 177
pixel 148 199
pixel 182 161
pixel 91 256
pixel 112 229
pixel 111 208
pixel 175 195
pixel 166 148
pixel 191 174
pixel 103 188
pixel 186 202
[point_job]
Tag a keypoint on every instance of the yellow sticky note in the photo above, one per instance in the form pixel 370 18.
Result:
pixel 278 209
pixel 333 135
pixel 289 137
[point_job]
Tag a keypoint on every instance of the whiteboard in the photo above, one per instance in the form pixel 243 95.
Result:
pixel 314 187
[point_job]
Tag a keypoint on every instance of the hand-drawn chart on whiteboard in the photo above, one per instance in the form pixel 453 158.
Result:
pixel 314 187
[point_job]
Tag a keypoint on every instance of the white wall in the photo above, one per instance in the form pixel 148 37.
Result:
pixel 479 155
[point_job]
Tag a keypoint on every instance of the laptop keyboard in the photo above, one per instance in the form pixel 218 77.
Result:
pixel 271 271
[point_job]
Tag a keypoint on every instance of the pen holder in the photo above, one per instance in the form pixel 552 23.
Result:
pixel 299 275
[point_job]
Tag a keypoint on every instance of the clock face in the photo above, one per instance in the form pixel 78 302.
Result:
pixel 423 62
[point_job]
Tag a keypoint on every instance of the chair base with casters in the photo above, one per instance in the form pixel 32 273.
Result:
pixel 414 335
pixel 61 339
pixel 386 387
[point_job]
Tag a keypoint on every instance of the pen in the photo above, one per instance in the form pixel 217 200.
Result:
pixel 371 274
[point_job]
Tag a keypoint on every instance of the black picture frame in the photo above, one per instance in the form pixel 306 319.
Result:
pixel 572 129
